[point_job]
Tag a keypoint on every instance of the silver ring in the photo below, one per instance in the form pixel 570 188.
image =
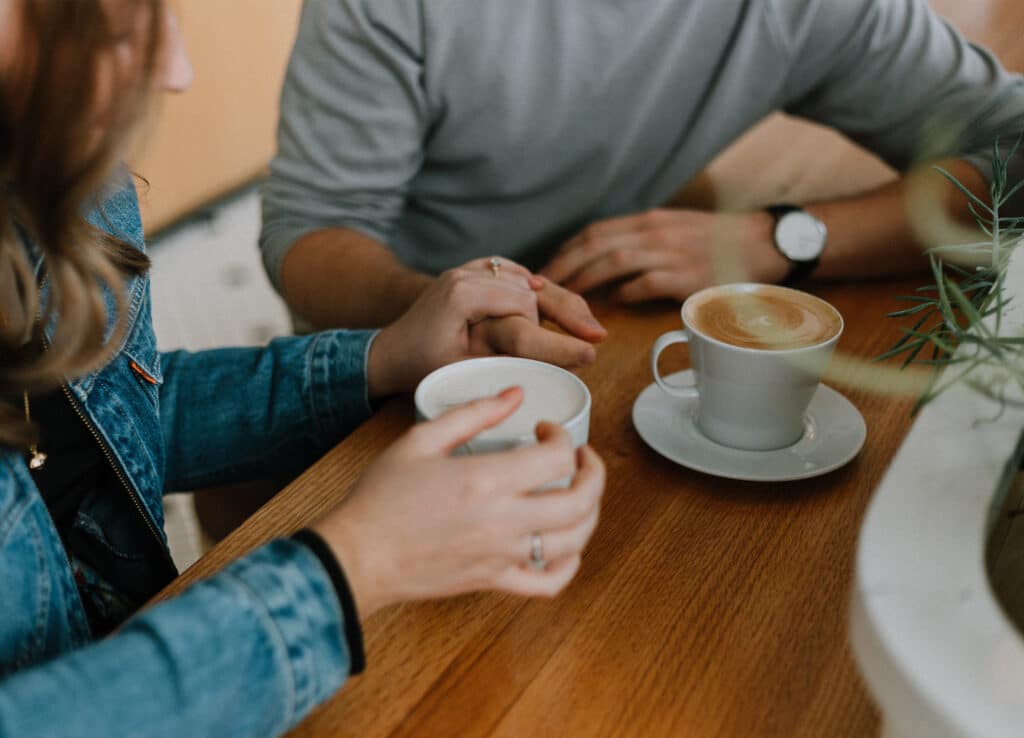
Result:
pixel 495 266
pixel 537 552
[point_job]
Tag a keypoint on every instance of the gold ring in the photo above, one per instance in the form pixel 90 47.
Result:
pixel 495 266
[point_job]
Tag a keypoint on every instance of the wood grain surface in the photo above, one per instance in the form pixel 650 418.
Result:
pixel 704 607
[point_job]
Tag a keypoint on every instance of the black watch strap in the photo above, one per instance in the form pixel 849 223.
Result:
pixel 799 271
pixel 777 211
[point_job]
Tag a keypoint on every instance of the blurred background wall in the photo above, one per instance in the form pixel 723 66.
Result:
pixel 220 134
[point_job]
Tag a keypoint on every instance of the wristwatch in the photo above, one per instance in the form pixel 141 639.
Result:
pixel 800 237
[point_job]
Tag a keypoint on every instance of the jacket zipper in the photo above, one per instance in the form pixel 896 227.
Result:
pixel 132 494
pixel 107 453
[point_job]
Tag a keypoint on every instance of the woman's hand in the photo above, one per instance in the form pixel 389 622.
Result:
pixel 471 311
pixel 421 524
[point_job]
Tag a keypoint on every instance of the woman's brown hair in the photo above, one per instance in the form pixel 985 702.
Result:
pixel 57 147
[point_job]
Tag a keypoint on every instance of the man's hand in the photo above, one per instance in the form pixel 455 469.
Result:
pixel 669 254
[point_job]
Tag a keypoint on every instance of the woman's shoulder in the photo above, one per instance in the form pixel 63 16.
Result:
pixel 117 211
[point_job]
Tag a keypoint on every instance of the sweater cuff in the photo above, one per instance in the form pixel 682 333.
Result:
pixel 353 631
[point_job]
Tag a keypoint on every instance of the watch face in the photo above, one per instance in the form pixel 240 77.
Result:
pixel 800 236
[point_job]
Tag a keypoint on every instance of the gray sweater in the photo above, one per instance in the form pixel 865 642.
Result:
pixel 452 129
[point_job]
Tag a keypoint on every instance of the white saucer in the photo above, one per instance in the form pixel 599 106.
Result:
pixel 835 433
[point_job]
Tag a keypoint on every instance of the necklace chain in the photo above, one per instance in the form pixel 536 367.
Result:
pixel 37 459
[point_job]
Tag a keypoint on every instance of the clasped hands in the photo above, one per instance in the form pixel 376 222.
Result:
pixel 473 311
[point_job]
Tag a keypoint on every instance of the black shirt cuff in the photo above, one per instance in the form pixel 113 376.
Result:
pixel 353 631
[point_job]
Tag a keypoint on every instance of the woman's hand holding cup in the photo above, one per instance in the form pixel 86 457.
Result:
pixel 423 524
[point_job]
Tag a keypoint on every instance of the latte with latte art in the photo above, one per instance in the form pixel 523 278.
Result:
pixel 764 317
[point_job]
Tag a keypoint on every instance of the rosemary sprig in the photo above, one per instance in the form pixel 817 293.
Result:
pixel 962 309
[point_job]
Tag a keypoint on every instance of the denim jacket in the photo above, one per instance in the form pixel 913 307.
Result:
pixel 247 652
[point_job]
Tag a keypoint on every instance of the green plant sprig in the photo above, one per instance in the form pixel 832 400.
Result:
pixel 958 317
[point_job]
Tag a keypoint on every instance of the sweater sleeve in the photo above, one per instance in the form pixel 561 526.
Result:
pixel 354 116
pixel 899 80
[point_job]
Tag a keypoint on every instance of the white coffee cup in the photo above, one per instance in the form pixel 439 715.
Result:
pixel 751 398
pixel 549 394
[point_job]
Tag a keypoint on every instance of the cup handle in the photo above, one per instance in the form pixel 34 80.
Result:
pixel 670 339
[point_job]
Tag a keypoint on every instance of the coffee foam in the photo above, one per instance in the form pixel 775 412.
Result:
pixel 548 394
pixel 763 317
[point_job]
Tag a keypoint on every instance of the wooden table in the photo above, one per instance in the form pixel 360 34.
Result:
pixel 704 607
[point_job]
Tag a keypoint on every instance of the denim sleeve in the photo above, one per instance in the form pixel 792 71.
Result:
pixel 899 80
pixel 248 652
pixel 233 415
